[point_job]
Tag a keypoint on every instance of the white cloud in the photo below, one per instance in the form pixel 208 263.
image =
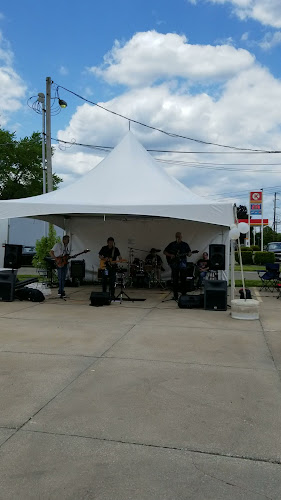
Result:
pixel 150 56
pixel 267 12
pixel 63 70
pixel 244 112
pixel 245 36
pixel 71 164
pixel 12 88
pixel 270 40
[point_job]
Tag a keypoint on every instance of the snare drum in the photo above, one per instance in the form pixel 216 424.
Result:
pixel 148 268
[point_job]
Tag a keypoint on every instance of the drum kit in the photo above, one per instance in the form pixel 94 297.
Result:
pixel 141 273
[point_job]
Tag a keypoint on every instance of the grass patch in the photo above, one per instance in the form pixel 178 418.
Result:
pixel 249 268
pixel 22 277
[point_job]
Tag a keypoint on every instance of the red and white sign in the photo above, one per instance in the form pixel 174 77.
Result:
pixel 255 222
pixel 255 196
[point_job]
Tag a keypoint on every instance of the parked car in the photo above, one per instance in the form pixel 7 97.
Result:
pixel 275 246
pixel 27 255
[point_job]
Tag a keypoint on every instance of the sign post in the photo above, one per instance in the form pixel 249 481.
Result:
pixel 256 208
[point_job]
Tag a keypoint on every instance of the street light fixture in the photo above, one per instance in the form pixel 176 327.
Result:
pixel 62 103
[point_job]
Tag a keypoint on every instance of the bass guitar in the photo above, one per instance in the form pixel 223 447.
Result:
pixel 105 264
pixel 179 257
pixel 62 261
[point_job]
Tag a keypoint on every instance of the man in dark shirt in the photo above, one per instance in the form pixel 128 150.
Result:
pixel 176 253
pixel 109 253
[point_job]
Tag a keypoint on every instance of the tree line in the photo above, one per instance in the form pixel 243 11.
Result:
pixel 21 172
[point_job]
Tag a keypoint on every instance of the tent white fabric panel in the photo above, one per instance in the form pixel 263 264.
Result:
pixel 127 181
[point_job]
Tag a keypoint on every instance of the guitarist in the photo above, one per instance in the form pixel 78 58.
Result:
pixel 109 253
pixel 60 250
pixel 176 253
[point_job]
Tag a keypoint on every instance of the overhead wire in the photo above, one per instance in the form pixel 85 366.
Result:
pixel 170 134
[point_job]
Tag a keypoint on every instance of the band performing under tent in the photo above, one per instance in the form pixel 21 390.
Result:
pixel 117 273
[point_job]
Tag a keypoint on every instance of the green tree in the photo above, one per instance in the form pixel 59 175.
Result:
pixel 43 247
pixel 268 236
pixel 21 166
pixel 242 212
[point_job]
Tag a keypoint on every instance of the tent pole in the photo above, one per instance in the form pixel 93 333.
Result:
pixel 232 264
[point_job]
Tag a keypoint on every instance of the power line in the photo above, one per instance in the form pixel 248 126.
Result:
pixel 109 148
pixel 238 193
pixel 170 134
pixel 217 167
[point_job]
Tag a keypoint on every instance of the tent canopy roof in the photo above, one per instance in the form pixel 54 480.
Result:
pixel 127 181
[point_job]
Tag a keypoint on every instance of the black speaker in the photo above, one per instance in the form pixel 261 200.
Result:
pixel 217 257
pixel 77 269
pixel 7 285
pixel 191 301
pixel 215 295
pixel 12 256
pixel 100 299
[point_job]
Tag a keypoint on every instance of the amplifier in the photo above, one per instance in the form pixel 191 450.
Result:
pixel 77 269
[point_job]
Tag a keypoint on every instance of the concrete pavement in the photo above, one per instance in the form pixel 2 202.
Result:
pixel 139 401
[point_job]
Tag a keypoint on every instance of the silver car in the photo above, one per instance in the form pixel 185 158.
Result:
pixel 275 246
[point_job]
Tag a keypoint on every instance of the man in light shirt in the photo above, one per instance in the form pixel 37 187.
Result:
pixel 60 250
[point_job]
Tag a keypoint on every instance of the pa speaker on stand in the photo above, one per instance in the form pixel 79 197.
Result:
pixel 13 255
pixel 217 257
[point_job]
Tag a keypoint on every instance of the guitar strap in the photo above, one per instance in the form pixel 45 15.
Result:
pixel 113 250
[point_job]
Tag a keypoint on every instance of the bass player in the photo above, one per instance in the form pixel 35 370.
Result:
pixel 176 253
pixel 61 249
pixel 109 255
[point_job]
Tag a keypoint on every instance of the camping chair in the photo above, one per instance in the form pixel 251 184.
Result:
pixel 269 277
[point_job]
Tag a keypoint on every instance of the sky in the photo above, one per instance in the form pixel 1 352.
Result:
pixel 203 69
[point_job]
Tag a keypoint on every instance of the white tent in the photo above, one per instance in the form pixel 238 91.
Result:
pixel 130 197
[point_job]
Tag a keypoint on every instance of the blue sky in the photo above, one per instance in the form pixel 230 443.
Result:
pixel 205 69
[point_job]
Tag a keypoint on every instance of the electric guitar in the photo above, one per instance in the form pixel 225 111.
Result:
pixel 178 258
pixel 105 264
pixel 63 260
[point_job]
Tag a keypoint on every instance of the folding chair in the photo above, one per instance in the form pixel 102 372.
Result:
pixel 278 286
pixel 269 277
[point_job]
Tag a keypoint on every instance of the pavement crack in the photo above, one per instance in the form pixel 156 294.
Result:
pixel 158 446
pixel 126 333
pixel 270 351
pixel 263 495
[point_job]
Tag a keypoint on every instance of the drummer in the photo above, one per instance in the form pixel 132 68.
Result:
pixel 153 259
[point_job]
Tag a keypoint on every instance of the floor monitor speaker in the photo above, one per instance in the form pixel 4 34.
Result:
pixel 100 299
pixel 13 254
pixel 191 301
pixel 217 257
pixel 215 295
